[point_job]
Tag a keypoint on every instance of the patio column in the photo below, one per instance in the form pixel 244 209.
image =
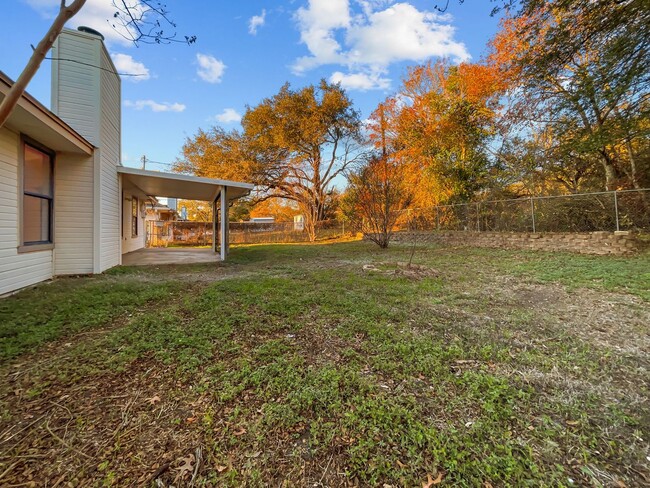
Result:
pixel 224 222
pixel 214 225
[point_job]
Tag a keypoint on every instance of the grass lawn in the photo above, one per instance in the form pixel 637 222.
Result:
pixel 331 365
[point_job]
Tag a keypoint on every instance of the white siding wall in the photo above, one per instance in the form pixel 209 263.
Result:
pixel 76 86
pixel 24 269
pixel 89 99
pixel 130 243
pixel 73 215
pixel 110 157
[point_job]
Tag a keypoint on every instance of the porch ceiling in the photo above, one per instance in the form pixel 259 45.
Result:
pixel 159 184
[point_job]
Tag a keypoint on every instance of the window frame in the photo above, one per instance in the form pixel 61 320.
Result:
pixel 32 246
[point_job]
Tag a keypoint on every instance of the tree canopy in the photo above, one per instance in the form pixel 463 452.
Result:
pixel 292 145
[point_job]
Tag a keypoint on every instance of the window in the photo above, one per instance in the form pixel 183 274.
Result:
pixel 38 196
pixel 134 217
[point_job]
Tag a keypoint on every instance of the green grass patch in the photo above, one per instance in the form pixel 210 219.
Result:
pixel 296 364
pixel 69 305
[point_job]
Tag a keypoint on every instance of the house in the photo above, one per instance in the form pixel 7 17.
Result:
pixel 157 211
pixel 67 205
pixel 158 230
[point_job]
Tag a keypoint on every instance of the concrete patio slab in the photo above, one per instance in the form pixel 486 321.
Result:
pixel 169 255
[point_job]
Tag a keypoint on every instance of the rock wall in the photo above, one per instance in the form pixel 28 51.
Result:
pixel 617 243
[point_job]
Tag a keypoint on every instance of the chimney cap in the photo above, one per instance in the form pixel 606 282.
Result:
pixel 90 30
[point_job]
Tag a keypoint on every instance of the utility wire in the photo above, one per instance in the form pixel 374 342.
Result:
pixel 93 66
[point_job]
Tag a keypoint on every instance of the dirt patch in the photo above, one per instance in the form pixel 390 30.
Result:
pixel 408 270
pixel 90 425
pixel 610 320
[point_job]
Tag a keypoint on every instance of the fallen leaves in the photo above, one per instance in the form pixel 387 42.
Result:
pixel 433 481
pixel 186 466
pixel 239 432
pixel 153 400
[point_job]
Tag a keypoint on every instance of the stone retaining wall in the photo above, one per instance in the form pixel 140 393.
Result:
pixel 585 243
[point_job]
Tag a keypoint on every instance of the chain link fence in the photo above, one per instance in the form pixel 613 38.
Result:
pixel 282 232
pixel 585 212
pixel 199 234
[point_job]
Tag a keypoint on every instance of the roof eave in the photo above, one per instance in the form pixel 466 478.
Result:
pixel 45 116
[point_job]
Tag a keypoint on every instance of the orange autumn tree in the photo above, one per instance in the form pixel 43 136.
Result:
pixel 441 122
pixel 379 191
pixel 293 145
pixel 280 209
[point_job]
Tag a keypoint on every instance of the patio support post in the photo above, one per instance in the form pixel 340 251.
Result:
pixel 214 225
pixel 224 223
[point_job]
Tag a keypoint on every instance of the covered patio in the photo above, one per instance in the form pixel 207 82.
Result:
pixel 220 193
pixel 169 255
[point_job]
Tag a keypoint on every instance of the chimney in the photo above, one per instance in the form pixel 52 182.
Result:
pixel 86 89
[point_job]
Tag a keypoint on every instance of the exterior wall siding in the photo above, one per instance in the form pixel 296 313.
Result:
pixel 109 125
pixel 17 270
pixel 73 215
pixel 130 243
pixel 75 86
pixel 89 99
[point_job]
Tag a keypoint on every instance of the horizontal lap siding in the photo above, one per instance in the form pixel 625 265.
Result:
pixel 73 215
pixel 16 270
pixel 75 97
pixel 129 243
pixel 88 98
pixel 110 157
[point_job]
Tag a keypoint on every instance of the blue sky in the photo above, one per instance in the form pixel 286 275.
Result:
pixel 246 50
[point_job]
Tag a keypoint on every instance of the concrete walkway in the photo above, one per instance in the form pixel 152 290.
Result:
pixel 169 255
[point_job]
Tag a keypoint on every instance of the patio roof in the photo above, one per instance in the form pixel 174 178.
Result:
pixel 175 185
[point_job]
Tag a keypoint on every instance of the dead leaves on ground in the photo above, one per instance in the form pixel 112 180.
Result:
pixel 239 432
pixel 408 270
pixel 186 466
pixel 153 400
pixel 433 481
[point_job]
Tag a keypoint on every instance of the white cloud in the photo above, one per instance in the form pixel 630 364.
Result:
pixel 228 116
pixel 369 41
pixel 97 14
pixel 360 81
pixel 369 6
pixel 256 21
pixel 318 24
pixel 126 65
pixel 400 33
pixel 155 106
pixel 210 68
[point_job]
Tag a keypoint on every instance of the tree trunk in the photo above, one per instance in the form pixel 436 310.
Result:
pixel 18 88
pixel 634 176
pixel 311 217
pixel 611 174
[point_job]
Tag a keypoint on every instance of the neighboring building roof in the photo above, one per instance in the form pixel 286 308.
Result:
pixel 32 118
pixel 183 186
